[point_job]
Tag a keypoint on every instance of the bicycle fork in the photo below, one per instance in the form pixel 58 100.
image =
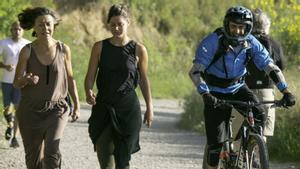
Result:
pixel 227 154
pixel 243 158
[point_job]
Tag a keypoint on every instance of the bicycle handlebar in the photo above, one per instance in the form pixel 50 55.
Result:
pixel 250 104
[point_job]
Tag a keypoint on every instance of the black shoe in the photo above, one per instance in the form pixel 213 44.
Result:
pixel 8 133
pixel 14 143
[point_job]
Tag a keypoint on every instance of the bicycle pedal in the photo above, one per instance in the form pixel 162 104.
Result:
pixel 233 156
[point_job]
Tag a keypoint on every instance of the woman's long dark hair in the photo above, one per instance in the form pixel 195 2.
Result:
pixel 28 16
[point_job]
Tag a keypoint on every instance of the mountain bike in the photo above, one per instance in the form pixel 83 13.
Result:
pixel 252 152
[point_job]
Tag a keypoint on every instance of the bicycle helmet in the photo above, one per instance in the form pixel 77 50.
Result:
pixel 239 15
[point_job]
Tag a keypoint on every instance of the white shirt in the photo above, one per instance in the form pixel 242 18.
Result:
pixel 10 50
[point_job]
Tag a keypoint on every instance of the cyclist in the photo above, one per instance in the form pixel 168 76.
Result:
pixel 218 73
pixel 257 80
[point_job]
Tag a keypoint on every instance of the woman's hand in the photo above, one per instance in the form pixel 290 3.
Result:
pixel 91 97
pixel 148 117
pixel 28 79
pixel 75 114
pixel 31 79
pixel 10 67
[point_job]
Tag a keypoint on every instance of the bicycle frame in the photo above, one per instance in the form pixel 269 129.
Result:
pixel 248 129
pixel 228 148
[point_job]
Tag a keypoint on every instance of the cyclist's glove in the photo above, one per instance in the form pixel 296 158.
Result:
pixel 209 99
pixel 288 99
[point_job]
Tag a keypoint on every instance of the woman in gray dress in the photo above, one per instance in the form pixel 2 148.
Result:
pixel 44 74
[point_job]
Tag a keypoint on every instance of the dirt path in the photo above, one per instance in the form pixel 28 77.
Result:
pixel 164 146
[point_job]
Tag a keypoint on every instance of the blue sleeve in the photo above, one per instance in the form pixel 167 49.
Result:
pixel 206 50
pixel 261 56
pixel 204 54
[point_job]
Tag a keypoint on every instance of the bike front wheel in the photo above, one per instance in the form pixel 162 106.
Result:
pixel 257 153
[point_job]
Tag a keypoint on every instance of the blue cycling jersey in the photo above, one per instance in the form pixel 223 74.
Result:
pixel 234 61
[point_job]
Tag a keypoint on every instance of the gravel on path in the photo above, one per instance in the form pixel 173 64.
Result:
pixel 163 146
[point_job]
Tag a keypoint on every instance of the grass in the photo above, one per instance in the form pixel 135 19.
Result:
pixel 285 145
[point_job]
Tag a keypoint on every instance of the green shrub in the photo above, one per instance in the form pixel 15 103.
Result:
pixel 193 117
pixel 8 14
pixel 285 145
pixel 285 16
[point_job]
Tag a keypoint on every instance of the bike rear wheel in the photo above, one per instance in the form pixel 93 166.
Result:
pixel 257 153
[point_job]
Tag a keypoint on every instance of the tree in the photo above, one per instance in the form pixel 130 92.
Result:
pixel 285 16
pixel 8 14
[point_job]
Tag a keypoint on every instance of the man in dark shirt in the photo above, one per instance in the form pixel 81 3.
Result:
pixel 257 80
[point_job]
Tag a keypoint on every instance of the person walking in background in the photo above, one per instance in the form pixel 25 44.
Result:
pixel 119 64
pixel 44 74
pixel 257 80
pixel 218 73
pixel 10 49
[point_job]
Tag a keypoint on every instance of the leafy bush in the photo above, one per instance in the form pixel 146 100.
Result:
pixel 193 117
pixel 8 14
pixel 285 16
pixel 287 129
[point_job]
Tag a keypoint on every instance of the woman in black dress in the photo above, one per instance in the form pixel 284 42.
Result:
pixel 120 64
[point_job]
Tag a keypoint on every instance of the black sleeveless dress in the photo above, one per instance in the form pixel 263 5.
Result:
pixel 116 101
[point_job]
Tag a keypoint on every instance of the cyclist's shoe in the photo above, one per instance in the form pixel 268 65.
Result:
pixel 14 143
pixel 233 159
pixel 8 133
